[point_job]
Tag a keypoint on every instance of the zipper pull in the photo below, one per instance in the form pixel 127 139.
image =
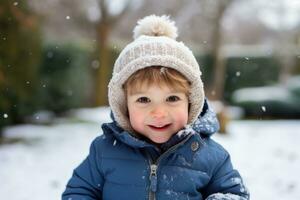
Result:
pixel 153 178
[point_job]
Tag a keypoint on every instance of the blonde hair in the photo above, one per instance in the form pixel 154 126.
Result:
pixel 159 75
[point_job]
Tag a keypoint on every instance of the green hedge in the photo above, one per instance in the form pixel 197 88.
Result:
pixel 60 81
pixel 241 72
pixel 249 72
pixel 280 101
pixel 20 54
pixel 65 77
pixel 205 61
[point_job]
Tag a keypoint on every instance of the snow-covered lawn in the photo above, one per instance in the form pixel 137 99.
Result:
pixel 267 154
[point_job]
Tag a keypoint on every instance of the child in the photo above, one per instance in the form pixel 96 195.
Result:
pixel 158 145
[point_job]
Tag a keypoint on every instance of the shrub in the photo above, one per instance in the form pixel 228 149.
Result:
pixel 20 50
pixel 65 78
pixel 280 101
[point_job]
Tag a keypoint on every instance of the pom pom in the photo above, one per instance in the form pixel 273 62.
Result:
pixel 153 25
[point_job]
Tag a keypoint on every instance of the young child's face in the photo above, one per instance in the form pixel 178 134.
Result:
pixel 157 112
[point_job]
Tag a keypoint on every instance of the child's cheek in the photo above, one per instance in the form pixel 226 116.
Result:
pixel 136 119
pixel 182 117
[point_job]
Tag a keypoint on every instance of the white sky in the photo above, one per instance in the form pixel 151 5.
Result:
pixel 280 13
pixel 276 14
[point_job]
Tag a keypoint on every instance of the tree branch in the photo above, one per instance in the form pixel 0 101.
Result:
pixel 25 20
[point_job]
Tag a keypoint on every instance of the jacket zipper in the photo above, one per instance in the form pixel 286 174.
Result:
pixel 153 181
pixel 154 167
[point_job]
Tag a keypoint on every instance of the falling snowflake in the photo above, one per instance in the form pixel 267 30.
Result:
pixel 163 70
pixel 213 92
pixel 164 177
pixel 50 54
pixel 95 64
pixel 69 92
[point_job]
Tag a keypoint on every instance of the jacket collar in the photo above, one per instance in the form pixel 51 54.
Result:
pixel 206 125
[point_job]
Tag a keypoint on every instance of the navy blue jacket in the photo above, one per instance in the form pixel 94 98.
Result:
pixel 189 166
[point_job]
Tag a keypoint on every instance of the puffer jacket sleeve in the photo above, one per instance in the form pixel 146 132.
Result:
pixel 226 183
pixel 87 179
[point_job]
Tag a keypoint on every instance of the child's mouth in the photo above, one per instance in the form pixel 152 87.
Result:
pixel 159 128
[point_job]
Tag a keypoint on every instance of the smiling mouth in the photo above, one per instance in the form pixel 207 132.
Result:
pixel 159 128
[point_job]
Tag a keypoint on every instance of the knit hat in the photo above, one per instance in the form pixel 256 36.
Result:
pixel 154 45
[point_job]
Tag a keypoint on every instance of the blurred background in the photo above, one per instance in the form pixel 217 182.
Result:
pixel 56 58
pixel 59 55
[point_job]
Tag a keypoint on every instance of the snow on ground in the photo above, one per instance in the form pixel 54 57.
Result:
pixel 265 152
pixel 267 155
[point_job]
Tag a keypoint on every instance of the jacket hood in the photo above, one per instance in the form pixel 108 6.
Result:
pixel 207 122
pixel 206 125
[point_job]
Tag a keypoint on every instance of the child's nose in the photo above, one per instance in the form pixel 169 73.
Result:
pixel 159 112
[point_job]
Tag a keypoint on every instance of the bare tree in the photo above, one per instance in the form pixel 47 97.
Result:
pixel 214 12
pixel 104 27
pixel 285 53
pixel 123 30
pixel 285 43
pixel 97 16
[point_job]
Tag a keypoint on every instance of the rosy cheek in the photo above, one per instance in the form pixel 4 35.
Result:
pixel 182 120
pixel 136 118
pixel 182 117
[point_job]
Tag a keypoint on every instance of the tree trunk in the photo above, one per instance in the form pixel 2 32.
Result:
pixel 219 77
pixel 104 70
pixel 219 64
pixel 287 62
pixel 216 92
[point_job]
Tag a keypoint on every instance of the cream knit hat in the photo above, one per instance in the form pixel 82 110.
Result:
pixel 154 45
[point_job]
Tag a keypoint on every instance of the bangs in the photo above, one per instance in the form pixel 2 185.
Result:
pixel 161 76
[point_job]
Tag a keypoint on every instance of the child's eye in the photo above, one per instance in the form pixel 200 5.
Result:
pixel 143 100
pixel 173 98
